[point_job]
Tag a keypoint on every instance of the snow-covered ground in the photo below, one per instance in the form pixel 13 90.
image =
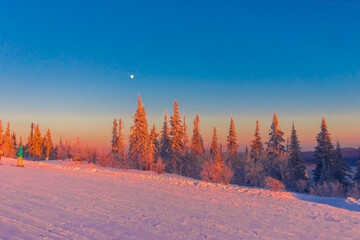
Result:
pixel 63 200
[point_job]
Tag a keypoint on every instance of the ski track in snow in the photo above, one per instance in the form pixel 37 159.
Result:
pixel 66 200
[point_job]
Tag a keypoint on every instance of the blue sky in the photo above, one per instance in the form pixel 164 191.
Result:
pixel 251 57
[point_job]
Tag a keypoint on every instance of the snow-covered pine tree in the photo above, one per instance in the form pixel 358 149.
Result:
pixel 120 141
pixel 48 145
pixel 295 165
pixel 275 150
pixel 8 145
pixel 176 132
pixel 256 145
pixel 324 156
pixel 357 174
pixel 185 136
pixel 177 144
pixel 155 142
pixel 165 144
pixel 197 147
pixel 341 171
pixel 114 140
pixel 36 148
pixel 139 137
pixel 214 148
pixel 232 145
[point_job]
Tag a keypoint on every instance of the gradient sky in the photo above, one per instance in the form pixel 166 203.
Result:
pixel 66 65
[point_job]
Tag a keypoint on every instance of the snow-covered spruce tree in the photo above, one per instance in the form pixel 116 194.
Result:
pixel 155 143
pixel 165 145
pixel 256 145
pixel 192 162
pixel 185 136
pixel 324 156
pixel 36 147
pixel 357 174
pixel 342 173
pixel 232 145
pixel 196 147
pixel 295 165
pixel 120 142
pixel 48 144
pixel 8 143
pixel 139 138
pixel 177 144
pixel 275 151
pixel 114 140
pixel 214 148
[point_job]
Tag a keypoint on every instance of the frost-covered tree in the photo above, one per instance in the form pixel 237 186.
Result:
pixel 275 151
pixel 185 136
pixel 214 148
pixel 176 132
pixel 165 143
pixel 114 140
pixel 232 146
pixel 63 150
pixel 177 144
pixel 295 166
pixel 8 143
pixel 324 156
pixel 341 171
pixel 48 144
pixel 13 136
pixel 357 174
pixel 155 142
pixel 256 145
pixel 197 147
pixel 36 147
pixel 139 137
pixel 120 141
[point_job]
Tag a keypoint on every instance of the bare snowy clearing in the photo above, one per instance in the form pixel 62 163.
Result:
pixel 66 200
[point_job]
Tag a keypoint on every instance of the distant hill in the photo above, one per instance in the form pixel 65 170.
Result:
pixel 351 155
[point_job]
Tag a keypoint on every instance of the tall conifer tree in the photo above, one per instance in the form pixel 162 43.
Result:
pixel 120 141
pixel 176 132
pixel 197 147
pixel 114 140
pixel 341 171
pixel 185 136
pixel 256 145
pixel 36 148
pixel 155 142
pixel 139 137
pixel 214 148
pixel 8 143
pixel 275 150
pixel 296 167
pixel 324 156
pixel 48 144
pixel 232 146
pixel 165 142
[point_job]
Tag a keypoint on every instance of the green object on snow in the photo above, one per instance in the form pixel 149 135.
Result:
pixel 20 154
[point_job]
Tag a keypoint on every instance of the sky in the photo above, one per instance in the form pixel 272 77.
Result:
pixel 66 65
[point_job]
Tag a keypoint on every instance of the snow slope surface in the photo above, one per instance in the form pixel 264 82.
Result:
pixel 65 200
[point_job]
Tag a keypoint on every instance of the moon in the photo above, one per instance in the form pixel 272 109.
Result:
pixel 131 76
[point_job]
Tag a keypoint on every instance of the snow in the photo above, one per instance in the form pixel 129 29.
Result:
pixel 66 200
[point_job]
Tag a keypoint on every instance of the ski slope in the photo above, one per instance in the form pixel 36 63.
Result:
pixel 65 200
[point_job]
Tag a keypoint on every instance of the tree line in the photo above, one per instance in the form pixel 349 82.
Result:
pixel 264 164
